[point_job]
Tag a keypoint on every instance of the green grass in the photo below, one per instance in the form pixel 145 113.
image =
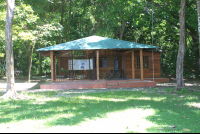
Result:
pixel 118 111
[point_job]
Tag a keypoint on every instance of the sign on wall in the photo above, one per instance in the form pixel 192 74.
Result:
pixel 82 64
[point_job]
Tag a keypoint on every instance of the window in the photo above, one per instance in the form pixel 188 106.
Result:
pixel 145 62
pixel 103 62
pixel 116 62
pixel 138 62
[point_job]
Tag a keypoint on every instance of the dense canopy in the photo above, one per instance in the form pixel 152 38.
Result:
pixel 44 23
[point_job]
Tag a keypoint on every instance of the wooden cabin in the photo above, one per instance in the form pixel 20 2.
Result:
pixel 99 58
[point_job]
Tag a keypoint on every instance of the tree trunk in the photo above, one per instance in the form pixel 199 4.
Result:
pixel 9 46
pixel 122 28
pixel 198 11
pixel 40 63
pixel 69 14
pixel 61 20
pixel 196 54
pixel 29 61
pixel 10 89
pixel 180 58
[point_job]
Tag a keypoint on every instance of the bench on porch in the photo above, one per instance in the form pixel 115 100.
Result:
pixel 113 74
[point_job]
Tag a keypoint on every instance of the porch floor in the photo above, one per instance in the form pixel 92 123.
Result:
pixel 94 84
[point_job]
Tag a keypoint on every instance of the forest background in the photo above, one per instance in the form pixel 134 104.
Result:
pixel 42 23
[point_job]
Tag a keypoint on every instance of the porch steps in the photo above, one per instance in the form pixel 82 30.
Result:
pixel 87 84
pixel 112 84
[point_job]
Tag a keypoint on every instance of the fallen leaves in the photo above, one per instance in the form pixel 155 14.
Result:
pixel 160 128
pixel 173 126
pixel 187 130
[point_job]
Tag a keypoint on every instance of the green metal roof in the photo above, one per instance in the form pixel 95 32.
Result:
pixel 94 43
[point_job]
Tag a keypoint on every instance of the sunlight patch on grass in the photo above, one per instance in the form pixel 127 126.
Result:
pixel 120 122
pixel 23 126
pixel 150 98
pixel 144 98
pixel 113 122
pixel 159 98
pixel 102 99
pixel 193 104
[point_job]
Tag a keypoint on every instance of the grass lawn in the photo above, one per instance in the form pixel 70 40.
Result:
pixel 145 111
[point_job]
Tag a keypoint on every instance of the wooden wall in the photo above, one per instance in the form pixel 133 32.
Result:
pixel 148 73
pixel 124 61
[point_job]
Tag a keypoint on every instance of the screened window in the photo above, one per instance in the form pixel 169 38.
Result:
pixel 138 62
pixel 145 62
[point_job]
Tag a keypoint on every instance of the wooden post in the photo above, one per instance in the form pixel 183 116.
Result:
pixel 52 66
pixel 133 67
pixel 54 69
pixel 141 63
pixel 97 64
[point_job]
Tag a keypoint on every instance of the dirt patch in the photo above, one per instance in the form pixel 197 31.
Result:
pixel 21 83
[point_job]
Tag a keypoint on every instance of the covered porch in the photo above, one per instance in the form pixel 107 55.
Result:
pixel 98 62
pixel 102 64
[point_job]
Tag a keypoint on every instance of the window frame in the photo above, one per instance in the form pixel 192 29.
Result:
pixel 145 62
pixel 101 59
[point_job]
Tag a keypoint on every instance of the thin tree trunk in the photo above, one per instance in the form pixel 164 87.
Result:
pixel 180 58
pixel 69 13
pixel 196 53
pixel 29 61
pixel 61 20
pixel 122 28
pixel 198 11
pixel 40 63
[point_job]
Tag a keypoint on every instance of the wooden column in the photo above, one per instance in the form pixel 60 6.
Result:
pixel 97 64
pixel 52 66
pixel 59 65
pixel 133 67
pixel 141 63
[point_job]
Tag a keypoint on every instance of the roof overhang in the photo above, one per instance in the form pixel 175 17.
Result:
pixel 94 43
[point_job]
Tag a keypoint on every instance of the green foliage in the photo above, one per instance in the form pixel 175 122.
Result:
pixel 66 72
pixel 46 65
pixel 2 70
pixel 39 23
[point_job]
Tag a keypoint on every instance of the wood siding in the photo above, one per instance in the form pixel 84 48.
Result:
pixel 124 63
pixel 148 73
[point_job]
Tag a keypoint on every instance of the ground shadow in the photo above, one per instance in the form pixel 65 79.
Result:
pixel 168 110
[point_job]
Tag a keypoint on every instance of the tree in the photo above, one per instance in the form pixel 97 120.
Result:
pixel 180 58
pixel 198 11
pixel 10 89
